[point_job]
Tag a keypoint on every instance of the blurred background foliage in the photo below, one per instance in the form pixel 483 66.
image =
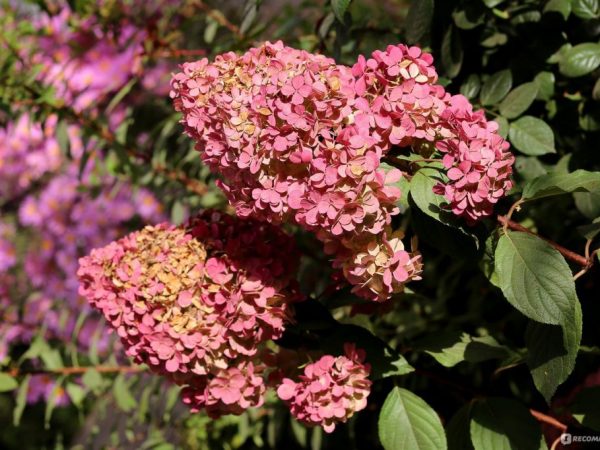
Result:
pixel 533 65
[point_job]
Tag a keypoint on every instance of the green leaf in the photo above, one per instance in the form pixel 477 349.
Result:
pixel 339 8
pixel 178 212
pixel 407 422
pixel 496 87
pixel 21 400
pixel 590 231
pixel 585 408
pixel 586 9
pixel 249 15
pixel 453 347
pixel 76 393
pixel 458 429
pixel 532 136
pixel 535 278
pixel 518 100
pixel 121 94
pixel 560 6
pixel 529 167
pixel 211 30
pixel 7 383
pixel 503 126
pixel 562 183
pixel 492 3
pixel 452 52
pixel 123 396
pixel 421 191
pixel 51 402
pixel 93 381
pixel 62 137
pixel 580 60
pixel 545 82
pixel 418 20
pixel 470 87
pixel 552 351
pixel 503 424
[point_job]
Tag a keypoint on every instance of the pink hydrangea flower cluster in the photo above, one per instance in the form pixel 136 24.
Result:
pixel 477 158
pixel 196 302
pixel 279 124
pixel 28 151
pixel 298 138
pixel 330 391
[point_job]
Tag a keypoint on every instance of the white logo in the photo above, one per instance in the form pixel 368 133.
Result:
pixel 565 438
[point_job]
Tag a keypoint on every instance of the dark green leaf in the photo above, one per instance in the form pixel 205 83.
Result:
pixel 76 393
pixel 503 424
pixel 590 231
pixel 458 429
pixel 532 136
pixel 21 400
pixel 453 347
pixel 535 278
pixel 418 21
pixel 562 183
pixel 545 82
pixel 560 6
pixel 580 60
pixel 503 126
pixel 52 400
pixel 586 9
pixel 552 351
pixel 93 381
pixel 588 204
pixel 470 88
pixel 7 383
pixel 529 167
pixel 496 87
pixel 123 396
pixel 407 422
pixel 452 52
pixel 421 191
pixel 339 8
pixel 518 100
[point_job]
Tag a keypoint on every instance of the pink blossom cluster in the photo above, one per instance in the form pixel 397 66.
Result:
pixel 196 302
pixel 85 62
pixel 298 138
pixel 279 124
pixel 478 161
pixel 330 391
pixel 28 151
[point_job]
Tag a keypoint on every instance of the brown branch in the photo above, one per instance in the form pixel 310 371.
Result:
pixel 544 418
pixel 568 254
pixel 76 370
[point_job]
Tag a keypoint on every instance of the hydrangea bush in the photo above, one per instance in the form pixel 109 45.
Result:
pixel 346 224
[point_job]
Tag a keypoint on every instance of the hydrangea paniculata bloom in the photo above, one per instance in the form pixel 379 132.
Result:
pixel 277 123
pixel 330 391
pixel 196 302
pixel 477 158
